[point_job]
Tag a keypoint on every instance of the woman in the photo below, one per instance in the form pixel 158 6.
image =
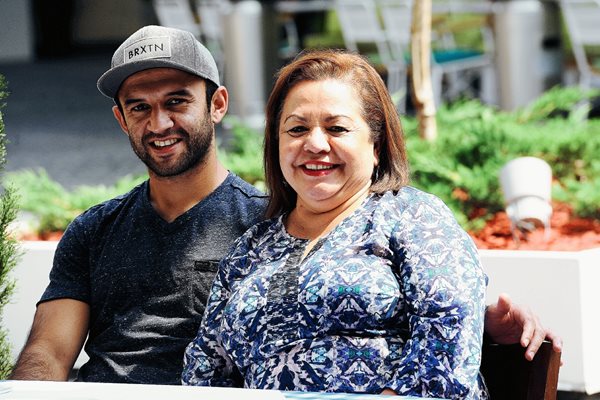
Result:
pixel 357 283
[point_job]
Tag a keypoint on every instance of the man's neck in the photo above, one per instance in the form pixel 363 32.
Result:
pixel 173 196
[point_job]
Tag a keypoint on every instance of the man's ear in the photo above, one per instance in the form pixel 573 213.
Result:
pixel 219 104
pixel 120 119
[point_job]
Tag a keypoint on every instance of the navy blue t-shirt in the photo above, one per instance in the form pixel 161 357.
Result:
pixel 147 280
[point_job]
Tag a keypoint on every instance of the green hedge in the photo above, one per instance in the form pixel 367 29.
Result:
pixel 475 141
pixel 9 249
pixel 54 207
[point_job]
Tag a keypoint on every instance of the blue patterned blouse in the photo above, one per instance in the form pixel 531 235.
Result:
pixel 393 297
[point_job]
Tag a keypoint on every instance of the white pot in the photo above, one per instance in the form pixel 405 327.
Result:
pixel 527 185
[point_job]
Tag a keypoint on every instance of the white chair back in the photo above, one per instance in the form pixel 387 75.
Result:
pixel 361 25
pixel 210 13
pixel 176 14
pixel 582 19
pixel 397 18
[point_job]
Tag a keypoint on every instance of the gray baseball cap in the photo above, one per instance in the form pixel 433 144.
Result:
pixel 158 47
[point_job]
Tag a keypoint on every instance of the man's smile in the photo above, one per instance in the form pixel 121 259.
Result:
pixel 164 143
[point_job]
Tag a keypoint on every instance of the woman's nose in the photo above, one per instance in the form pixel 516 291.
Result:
pixel 317 141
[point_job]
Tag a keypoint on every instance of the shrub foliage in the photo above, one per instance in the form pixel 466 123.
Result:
pixel 9 250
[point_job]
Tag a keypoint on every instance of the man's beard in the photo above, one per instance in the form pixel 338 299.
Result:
pixel 197 148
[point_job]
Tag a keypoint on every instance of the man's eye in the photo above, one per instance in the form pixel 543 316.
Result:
pixel 297 131
pixel 139 107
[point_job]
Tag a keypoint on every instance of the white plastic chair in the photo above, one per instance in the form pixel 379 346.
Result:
pixel 176 14
pixel 361 27
pixel 457 68
pixel 210 13
pixel 462 67
pixel 582 18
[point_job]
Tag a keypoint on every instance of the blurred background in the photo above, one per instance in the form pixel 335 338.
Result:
pixel 52 52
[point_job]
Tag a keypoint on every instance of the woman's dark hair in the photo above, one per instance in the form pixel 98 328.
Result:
pixel 378 111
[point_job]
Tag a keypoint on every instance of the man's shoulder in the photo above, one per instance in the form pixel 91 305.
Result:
pixel 87 229
pixel 241 195
pixel 236 205
pixel 244 188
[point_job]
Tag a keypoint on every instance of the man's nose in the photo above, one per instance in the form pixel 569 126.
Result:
pixel 160 121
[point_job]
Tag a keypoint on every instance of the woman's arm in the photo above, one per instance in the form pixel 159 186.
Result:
pixel 443 284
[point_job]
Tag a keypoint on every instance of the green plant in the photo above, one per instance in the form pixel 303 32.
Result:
pixel 462 166
pixel 243 155
pixel 53 206
pixel 9 250
pixel 475 141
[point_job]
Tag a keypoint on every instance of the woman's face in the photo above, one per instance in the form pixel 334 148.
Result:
pixel 325 148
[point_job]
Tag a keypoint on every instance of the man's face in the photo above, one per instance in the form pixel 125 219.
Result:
pixel 167 120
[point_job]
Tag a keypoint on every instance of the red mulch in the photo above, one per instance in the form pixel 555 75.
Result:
pixel 55 235
pixel 567 233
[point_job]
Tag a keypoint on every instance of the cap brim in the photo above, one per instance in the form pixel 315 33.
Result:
pixel 110 82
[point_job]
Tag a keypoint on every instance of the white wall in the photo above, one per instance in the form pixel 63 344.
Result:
pixel 562 289
pixel 31 275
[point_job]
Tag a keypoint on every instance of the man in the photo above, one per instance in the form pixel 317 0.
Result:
pixel 133 274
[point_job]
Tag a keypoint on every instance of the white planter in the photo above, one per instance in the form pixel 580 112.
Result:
pixel 31 276
pixel 563 288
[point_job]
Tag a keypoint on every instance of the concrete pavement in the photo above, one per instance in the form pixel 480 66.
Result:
pixel 56 119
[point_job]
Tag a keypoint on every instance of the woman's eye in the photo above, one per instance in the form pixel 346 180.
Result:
pixel 174 102
pixel 297 131
pixel 337 129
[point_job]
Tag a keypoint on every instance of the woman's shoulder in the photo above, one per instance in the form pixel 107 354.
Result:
pixel 262 228
pixel 410 198
pixel 259 242
pixel 411 209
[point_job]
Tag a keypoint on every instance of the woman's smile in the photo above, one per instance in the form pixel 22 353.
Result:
pixel 318 168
